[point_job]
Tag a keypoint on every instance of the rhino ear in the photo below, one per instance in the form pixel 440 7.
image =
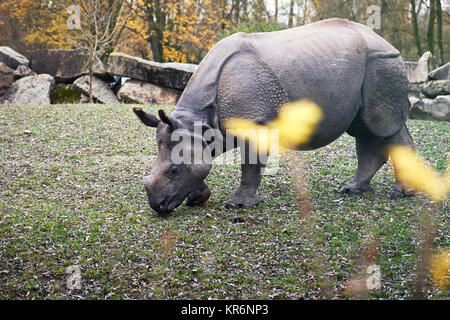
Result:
pixel 147 118
pixel 171 122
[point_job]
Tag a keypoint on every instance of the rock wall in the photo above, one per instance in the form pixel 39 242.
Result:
pixel 62 75
pixel 430 99
pixel 124 79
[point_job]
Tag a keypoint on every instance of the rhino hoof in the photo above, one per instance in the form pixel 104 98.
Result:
pixel 247 202
pixel 355 188
pixel 397 193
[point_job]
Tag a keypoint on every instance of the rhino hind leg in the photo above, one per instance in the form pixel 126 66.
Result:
pixel 385 96
pixel 402 138
pixel 381 120
pixel 372 154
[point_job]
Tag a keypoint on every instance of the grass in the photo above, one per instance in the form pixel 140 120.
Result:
pixel 71 194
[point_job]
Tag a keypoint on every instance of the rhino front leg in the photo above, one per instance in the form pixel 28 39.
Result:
pixel 246 196
pixel 372 154
pixel 252 165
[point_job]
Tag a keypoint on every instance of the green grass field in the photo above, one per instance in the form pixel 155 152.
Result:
pixel 71 194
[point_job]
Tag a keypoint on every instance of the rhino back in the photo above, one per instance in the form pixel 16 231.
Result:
pixel 320 62
pixel 324 62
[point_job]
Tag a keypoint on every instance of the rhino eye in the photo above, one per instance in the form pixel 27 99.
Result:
pixel 173 170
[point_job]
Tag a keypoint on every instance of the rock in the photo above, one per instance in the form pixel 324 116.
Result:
pixel 65 93
pixel 6 78
pixel 432 89
pixel 169 75
pixel 415 102
pixel 418 72
pixel 441 73
pixel 30 90
pixel 429 109
pixel 414 89
pixel 134 91
pixel 65 65
pixel 12 58
pixel 100 90
pixel 23 71
pixel 84 98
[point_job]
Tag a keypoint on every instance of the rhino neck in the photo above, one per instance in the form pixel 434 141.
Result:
pixel 190 115
pixel 190 119
pixel 198 101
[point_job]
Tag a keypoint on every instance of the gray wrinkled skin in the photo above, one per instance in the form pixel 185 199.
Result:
pixel 355 76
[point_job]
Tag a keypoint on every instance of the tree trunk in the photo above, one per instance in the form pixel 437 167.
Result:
pixel 430 34
pixel 244 17
pixel 237 12
pixel 276 11
pixel 156 18
pixel 416 28
pixel 156 46
pixel 439 25
pixel 291 14
pixel 91 78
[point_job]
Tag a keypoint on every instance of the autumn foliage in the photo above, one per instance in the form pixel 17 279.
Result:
pixel 184 30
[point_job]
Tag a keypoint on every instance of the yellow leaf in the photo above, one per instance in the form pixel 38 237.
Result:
pixel 417 175
pixel 440 269
pixel 294 126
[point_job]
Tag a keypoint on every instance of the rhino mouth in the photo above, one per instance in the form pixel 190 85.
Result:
pixel 167 205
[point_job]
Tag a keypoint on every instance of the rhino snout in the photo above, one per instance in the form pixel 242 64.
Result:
pixel 160 201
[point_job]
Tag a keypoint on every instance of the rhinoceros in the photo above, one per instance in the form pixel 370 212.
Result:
pixel 355 76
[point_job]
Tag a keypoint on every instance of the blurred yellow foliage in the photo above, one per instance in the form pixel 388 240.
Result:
pixel 440 269
pixel 295 124
pixel 44 23
pixel 193 30
pixel 416 174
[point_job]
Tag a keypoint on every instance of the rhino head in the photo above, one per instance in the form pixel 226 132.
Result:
pixel 171 182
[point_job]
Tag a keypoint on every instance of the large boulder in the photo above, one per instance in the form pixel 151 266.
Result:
pixel 6 78
pixel 23 71
pixel 432 89
pixel 100 90
pixel 171 75
pixel 134 91
pixel 418 71
pixel 441 73
pixel 30 91
pixel 429 109
pixel 65 65
pixel 12 58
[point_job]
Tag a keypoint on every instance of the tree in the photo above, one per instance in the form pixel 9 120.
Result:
pixel 416 27
pixel 42 22
pixel 291 14
pixel 275 17
pixel 439 25
pixel 431 19
pixel 193 28
pixel 101 23
pixel 156 12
